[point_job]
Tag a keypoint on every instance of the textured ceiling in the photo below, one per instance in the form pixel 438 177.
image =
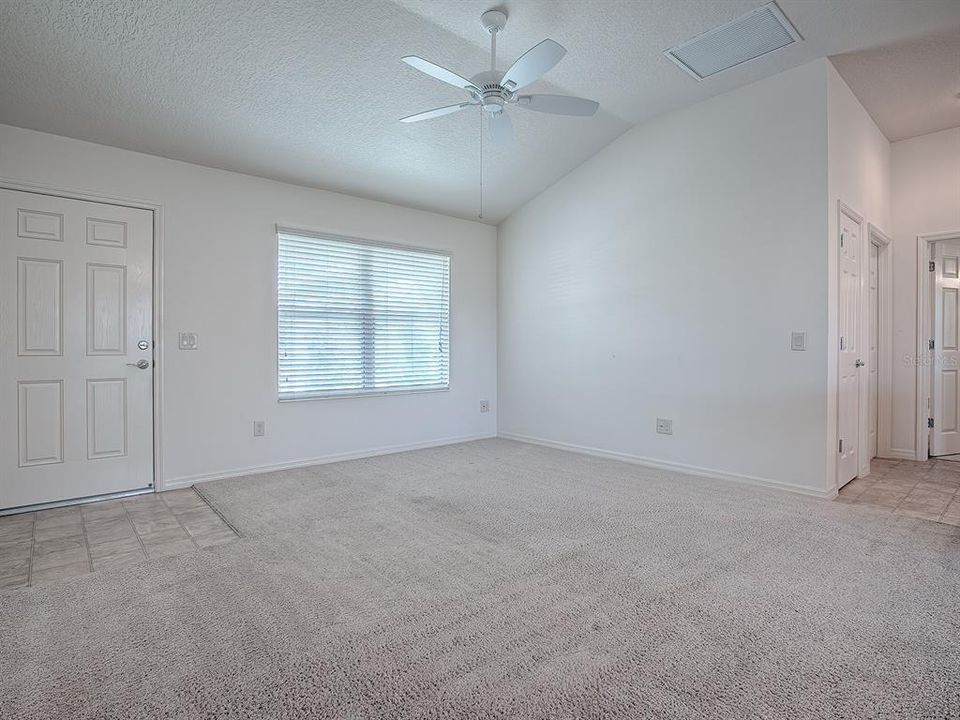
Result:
pixel 309 91
pixel 909 88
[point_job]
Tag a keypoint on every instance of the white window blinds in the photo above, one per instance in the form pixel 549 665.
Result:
pixel 357 318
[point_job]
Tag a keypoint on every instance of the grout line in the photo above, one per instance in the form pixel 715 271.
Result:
pixel 897 506
pixel 217 511
pixel 179 521
pixel 930 465
pixel 86 540
pixel 33 545
pixel 126 514
pixel 946 507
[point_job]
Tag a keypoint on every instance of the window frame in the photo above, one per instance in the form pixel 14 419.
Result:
pixel 321 235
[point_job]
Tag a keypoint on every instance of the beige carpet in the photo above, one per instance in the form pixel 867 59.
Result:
pixel 502 580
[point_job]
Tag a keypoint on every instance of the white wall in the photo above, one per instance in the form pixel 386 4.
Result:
pixel 926 200
pixel 219 260
pixel 858 175
pixel 663 277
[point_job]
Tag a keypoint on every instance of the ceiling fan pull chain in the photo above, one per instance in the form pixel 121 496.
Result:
pixel 480 211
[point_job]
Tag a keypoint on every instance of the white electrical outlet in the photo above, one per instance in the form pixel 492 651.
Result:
pixel 664 426
pixel 259 428
pixel 187 341
pixel 484 406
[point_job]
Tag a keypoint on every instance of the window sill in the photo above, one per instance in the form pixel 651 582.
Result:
pixel 354 396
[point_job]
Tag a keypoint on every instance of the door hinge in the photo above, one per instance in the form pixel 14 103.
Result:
pixel 843 343
pixel 929 422
pixel 931 344
pixel 931 266
pixel 840 449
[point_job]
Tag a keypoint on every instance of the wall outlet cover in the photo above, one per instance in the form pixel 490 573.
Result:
pixel 484 406
pixel 259 428
pixel 798 341
pixel 187 341
pixel 664 426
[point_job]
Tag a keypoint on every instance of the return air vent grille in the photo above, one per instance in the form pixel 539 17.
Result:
pixel 757 33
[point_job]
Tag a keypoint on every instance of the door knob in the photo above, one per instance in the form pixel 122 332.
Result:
pixel 860 363
pixel 142 364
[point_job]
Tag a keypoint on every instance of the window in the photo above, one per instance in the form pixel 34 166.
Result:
pixel 358 318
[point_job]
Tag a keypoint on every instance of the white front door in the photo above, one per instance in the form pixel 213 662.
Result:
pixel 848 411
pixel 945 388
pixel 76 285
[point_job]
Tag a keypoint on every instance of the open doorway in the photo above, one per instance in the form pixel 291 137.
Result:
pixel 924 485
pixel 938 271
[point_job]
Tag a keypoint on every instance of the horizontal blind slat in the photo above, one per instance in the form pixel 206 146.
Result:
pixel 360 318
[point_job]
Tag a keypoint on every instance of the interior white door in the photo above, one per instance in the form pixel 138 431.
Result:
pixel 848 410
pixel 874 349
pixel 945 386
pixel 75 322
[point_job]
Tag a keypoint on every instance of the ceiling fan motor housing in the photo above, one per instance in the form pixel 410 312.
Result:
pixel 493 96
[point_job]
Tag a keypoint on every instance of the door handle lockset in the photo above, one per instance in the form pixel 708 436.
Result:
pixel 860 363
pixel 142 364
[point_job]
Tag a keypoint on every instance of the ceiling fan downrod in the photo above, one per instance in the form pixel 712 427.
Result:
pixel 493 21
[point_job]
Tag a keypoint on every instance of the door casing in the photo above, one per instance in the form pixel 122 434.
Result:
pixel 925 356
pixel 870 234
pixel 877 237
pixel 158 348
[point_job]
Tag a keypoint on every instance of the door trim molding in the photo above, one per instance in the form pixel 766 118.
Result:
pixel 875 236
pixel 924 357
pixel 158 365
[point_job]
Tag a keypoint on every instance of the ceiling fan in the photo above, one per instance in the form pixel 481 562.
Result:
pixel 493 91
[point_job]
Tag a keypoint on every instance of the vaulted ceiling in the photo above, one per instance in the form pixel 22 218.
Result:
pixel 309 91
pixel 911 87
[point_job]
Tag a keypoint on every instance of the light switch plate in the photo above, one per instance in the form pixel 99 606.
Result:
pixel 798 341
pixel 187 341
pixel 664 426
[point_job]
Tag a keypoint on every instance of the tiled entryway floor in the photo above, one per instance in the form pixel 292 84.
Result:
pixel 39 547
pixel 927 490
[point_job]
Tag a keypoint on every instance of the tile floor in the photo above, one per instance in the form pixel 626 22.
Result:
pixel 927 490
pixel 48 545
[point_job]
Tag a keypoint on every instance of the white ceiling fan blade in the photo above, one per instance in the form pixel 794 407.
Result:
pixel 436 112
pixel 501 128
pixel 558 104
pixel 533 64
pixel 442 74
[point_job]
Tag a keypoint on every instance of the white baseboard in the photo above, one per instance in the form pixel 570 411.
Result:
pixel 900 455
pixel 677 467
pixel 188 480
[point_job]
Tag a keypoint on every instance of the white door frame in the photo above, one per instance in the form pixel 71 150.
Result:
pixel 877 237
pixel 157 210
pixel 924 327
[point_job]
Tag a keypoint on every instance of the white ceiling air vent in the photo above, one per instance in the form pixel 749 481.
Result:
pixel 757 33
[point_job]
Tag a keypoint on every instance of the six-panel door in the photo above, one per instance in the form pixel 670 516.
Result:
pixel 848 409
pixel 75 317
